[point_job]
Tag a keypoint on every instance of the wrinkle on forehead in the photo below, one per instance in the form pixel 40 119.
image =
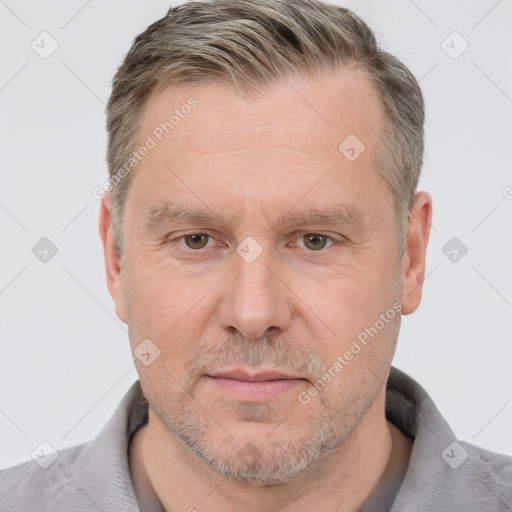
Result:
pixel 308 113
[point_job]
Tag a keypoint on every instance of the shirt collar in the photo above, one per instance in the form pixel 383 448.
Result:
pixel 408 407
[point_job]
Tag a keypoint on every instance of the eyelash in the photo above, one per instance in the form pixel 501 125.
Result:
pixel 333 241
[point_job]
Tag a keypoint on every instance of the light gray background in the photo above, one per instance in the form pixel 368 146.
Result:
pixel 65 360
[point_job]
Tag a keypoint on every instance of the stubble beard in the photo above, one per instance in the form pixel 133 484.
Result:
pixel 268 460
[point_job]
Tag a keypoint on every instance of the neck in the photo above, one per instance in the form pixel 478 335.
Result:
pixel 167 469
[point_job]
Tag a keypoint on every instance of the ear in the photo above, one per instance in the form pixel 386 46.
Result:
pixel 112 260
pixel 413 263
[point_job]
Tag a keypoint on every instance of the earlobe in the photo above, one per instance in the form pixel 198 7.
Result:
pixel 112 260
pixel 413 263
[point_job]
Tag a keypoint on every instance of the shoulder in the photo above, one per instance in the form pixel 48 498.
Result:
pixel 31 486
pixel 89 477
pixel 489 473
pixel 444 473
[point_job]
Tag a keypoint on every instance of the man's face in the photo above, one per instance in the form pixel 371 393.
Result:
pixel 288 255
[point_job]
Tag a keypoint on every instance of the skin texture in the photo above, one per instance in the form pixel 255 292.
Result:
pixel 295 309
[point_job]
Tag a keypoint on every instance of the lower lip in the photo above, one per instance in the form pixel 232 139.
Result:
pixel 259 391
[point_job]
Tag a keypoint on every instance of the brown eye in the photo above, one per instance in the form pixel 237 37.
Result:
pixel 196 241
pixel 314 241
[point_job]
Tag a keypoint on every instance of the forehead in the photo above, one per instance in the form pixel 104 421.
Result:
pixel 313 113
pixel 213 146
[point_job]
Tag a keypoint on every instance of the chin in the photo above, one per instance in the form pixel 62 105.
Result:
pixel 263 453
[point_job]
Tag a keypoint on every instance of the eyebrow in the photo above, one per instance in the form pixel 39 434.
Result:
pixel 342 214
pixel 169 213
pixel 173 213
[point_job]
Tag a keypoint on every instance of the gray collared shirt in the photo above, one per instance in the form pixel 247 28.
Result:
pixel 443 474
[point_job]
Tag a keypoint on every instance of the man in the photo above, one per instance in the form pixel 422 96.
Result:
pixel 262 237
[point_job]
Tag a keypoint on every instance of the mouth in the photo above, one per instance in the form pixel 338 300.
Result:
pixel 255 387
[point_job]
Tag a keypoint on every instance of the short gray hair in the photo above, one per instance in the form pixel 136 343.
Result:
pixel 249 45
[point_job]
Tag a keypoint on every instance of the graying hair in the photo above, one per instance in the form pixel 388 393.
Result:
pixel 250 45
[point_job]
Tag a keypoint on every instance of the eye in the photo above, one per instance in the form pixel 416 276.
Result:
pixel 195 240
pixel 316 242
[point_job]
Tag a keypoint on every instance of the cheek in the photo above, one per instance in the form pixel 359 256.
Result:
pixel 170 311
pixel 351 298
pixel 174 321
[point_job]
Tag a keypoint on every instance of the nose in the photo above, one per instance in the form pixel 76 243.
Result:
pixel 255 302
